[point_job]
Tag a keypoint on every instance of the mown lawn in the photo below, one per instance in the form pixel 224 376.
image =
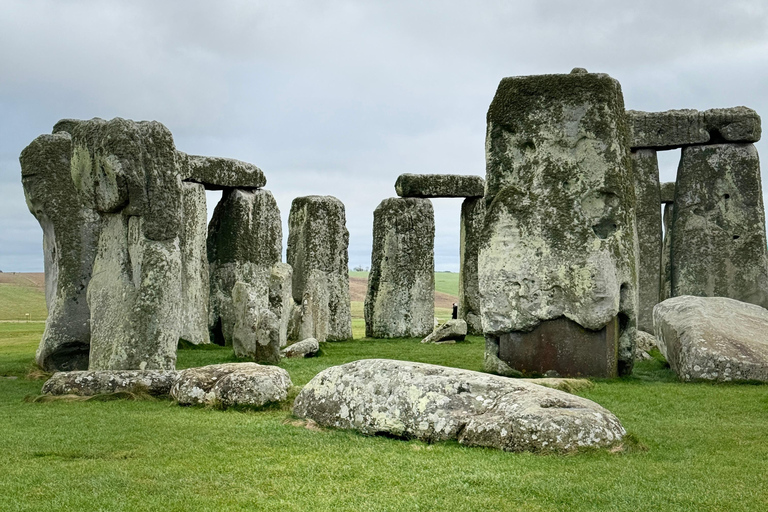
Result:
pixel 16 302
pixel 702 447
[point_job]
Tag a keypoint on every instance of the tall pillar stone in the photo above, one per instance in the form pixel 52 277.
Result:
pixel 718 244
pixel 645 167
pixel 401 284
pixel 472 218
pixel 557 264
pixel 318 243
pixel 195 283
pixel 668 200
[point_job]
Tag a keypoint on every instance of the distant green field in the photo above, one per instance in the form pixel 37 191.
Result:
pixel 17 301
pixel 446 282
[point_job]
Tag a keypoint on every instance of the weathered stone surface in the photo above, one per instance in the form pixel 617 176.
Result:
pixel 472 219
pixel 281 297
pixel 718 246
pixel 665 289
pixel 400 297
pixel 244 243
pixel 434 403
pixel 220 173
pixel 452 330
pixel 231 384
pixel 195 283
pixel 305 348
pixel 98 382
pixel 713 338
pixel 645 167
pixel 70 234
pixel 667 192
pixel 559 238
pixel 439 185
pixel 317 251
pixel 256 333
pixel 677 128
pixel 645 342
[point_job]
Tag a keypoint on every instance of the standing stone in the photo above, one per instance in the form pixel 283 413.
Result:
pixel 70 235
pixel 256 333
pixel 244 243
pixel 400 297
pixel 718 231
pixel 645 167
pixel 472 219
pixel 668 200
pixel 318 243
pixel 195 284
pixel 557 264
pixel 281 297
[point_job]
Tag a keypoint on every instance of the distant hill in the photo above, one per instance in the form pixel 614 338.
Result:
pixel 22 294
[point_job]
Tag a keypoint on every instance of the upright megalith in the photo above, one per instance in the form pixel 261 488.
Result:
pixel 472 219
pixel 557 261
pixel 195 284
pixel 244 243
pixel 718 246
pixel 318 243
pixel 400 297
pixel 668 200
pixel 70 235
pixel 645 167
pixel 256 332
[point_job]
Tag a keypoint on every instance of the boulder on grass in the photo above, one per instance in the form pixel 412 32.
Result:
pixel 231 384
pixel 434 403
pixel 451 331
pixel 713 338
pixel 99 382
pixel 305 348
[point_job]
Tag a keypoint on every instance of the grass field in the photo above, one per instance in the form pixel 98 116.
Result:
pixel 22 298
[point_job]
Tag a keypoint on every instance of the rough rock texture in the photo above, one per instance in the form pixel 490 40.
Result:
pixel 645 167
pixel 305 348
pixel 400 297
pixel 256 333
pixel 665 288
pixel 559 238
pixel 318 243
pixel 220 173
pixel 231 384
pixel 439 185
pixel 195 283
pixel 450 331
pixel 713 338
pixel 127 171
pixel 98 382
pixel 718 246
pixel 434 403
pixel 645 342
pixel 70 235
pixel 281 297
pixel 667 192
pixel 244 242
pixel 677 128
pixel 472 219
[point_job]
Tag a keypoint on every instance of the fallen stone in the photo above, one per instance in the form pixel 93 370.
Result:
pixel 471 229
pixel 713 338
pixel 99 382
pixel 452 330
pixel 434 403
pixel 439 185
pixel 231 384
pixel 305 348
pixel 563 384
pixel 220 173
pixel 195 282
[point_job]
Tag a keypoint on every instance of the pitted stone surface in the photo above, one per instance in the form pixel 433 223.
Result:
pixel 400 297
pixel 667 192
pixel 281 297
pixel 98 382
pixel 305 348
pixel 195 283
pixel 450 331
pixel 439 185
pixel 434 403
pixel 718 247
pixel 472 220
pixel 713 338
pixel 220 173
pixel 231 384
pixel 677 128
pixel 559 237
pixel 256 333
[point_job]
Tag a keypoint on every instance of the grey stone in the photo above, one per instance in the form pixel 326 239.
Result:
pixel 317 251
pixel 472 219
pixel 434 403
pixel 677 128
pixel 220 173
pixel 645 167
pixel 439 185
pixel 400 297
pixel 256 333
pixel 305 348
pixel 244 243
pixel 665 289
pixel 281 297
pixel 452 330
pixel 559 239
pixel 231 384
pixel 645 342
pixel 718 246
pixel 98 382
pixel 195 282
pixel 70 235
pixel 667 192
pixel 713 338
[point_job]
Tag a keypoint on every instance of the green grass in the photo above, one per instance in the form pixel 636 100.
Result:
pixel 706 449
pixel 17 301
pixel 446 282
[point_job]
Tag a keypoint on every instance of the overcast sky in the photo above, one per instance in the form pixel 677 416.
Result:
pixel 339 98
